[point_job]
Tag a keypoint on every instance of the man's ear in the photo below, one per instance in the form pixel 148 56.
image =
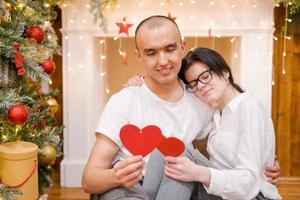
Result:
pixel 137 53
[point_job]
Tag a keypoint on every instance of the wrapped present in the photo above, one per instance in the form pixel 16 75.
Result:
pixel 19 167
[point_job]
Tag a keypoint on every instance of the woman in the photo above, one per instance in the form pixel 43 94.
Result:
pixel 243 142
pixel 240 147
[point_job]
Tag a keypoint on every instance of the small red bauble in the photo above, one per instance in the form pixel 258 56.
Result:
pixel 48 66
pixel 36 33
pixel 18 114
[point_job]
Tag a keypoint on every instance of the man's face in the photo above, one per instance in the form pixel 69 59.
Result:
pixel 161 51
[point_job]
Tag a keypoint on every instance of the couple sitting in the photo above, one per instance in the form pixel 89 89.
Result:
pixel 239 135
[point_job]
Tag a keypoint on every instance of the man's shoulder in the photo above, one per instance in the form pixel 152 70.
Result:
pixel 126 94
pixel 196 101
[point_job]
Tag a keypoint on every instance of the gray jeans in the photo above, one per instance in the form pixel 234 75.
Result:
pixel 160 187
pixel 122 193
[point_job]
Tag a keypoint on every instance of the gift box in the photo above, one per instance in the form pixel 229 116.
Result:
pixel 19 167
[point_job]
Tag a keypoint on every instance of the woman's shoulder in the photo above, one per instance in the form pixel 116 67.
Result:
pixel 250 103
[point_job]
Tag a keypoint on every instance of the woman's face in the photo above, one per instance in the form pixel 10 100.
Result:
pixel 213 86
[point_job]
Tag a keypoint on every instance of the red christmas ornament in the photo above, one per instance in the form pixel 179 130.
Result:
pixel 36 33
pixel 48 66
pixel 18 114
pixel 124 26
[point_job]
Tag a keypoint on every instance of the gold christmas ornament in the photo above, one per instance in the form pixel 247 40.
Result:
pixel 53 106
pixel 48 155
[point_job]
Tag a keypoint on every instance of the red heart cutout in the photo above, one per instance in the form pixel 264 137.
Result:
pixel 140 142
pixel 171 147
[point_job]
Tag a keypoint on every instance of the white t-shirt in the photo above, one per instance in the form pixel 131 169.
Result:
pixel 187 119
pixel 243 144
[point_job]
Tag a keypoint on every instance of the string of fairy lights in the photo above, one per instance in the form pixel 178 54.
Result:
pixel 210 34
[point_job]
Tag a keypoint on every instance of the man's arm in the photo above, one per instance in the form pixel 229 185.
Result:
pixel 98 177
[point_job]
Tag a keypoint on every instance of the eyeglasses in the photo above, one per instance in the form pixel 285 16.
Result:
pixel 203 78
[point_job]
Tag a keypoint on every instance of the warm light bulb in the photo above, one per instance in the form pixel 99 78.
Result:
pixel 70 68
pixel 254 6
pixel 103 57
pixel 180 4
pixel 69 55
pixel 275 38
pixel 71 21
pixel 284 53
pixel 50 81
pixel 66 37
pixel 233 6
pixel 4 137
pixel 80 37
pixel 235 55
pixel 118 6
pixel 101 41
pixel 283 71
pixel 84 21
pixel 46 23
pixel 21 5
pixel 192 1
pixel 88 5
pixel 102 74
pixel 161 3
pixel 212 3
pixel 107 90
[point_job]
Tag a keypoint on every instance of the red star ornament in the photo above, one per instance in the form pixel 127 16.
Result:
pixel 124 26
pixel 171 17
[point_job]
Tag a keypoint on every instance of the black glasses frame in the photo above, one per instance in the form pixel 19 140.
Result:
pixel 195 82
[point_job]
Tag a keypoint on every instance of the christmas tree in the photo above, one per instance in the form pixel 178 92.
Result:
pixel 27 45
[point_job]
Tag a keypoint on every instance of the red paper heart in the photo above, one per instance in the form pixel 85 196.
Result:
pixel 171 147
pixel 140 142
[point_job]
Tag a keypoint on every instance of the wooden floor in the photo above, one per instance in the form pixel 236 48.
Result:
pixel 289 190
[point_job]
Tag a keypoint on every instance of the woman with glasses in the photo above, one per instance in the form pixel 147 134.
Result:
pixel 243 141
pixel 240 146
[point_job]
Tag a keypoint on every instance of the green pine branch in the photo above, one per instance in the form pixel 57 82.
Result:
pixel 7 193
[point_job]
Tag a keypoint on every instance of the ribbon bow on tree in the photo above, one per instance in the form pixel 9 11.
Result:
pixel 18 59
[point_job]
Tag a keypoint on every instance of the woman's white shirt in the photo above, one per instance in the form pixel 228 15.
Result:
pixel 242 144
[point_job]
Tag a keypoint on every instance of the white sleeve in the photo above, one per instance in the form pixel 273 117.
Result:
pixel 114 116
pixel 242 182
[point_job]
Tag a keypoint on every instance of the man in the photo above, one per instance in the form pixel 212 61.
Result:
pixel 161 101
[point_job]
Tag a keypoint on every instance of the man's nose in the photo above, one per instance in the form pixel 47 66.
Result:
pixel 162 59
